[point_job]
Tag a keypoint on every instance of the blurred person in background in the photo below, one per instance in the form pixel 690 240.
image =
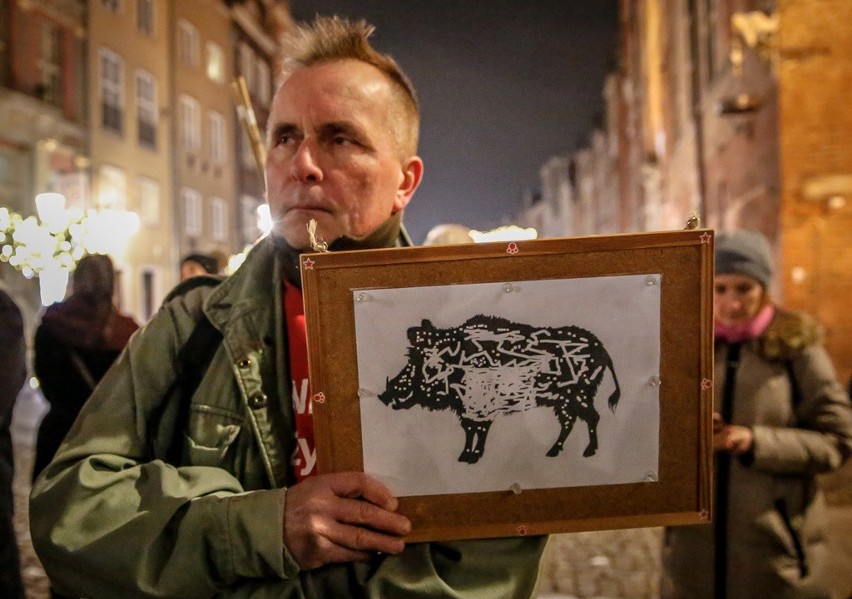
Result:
pixel 13 363
pixel 75 344
pixel 780 418
pixel 193 265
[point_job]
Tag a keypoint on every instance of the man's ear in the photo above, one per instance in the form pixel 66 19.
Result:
pixel 411 174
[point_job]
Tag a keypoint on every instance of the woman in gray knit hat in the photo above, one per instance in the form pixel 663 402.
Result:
pixel 780 418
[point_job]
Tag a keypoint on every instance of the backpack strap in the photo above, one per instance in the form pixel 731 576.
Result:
pixel 193 359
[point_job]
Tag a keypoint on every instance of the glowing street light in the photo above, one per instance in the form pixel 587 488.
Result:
pixel 49 247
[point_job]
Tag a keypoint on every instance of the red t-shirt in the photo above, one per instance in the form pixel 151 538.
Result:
pixel 304 456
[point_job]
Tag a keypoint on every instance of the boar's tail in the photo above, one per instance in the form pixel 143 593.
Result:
pixel 616 395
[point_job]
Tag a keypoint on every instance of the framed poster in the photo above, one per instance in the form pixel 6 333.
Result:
pixel 519 388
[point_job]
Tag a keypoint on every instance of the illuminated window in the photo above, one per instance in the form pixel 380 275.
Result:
pixel 148 201
pixel 112 188
pixel 215 62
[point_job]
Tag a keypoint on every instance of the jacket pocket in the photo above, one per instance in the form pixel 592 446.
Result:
pixel 211 433
pixel 795 539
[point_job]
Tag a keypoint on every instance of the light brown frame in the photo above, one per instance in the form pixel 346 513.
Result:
pixel 682 494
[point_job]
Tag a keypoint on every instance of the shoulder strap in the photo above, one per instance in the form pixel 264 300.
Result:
pixel 193 359
pixel 82 369
pixel 191 283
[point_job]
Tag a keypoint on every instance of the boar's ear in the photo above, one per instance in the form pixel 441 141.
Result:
pixel 413 337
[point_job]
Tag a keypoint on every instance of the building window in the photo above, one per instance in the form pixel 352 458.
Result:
pixel 188 43
pixel 248 68
pixel 50 79
pixel 248 226
pixel 148 201
pixel 215 62
pixel 146 109
pixel 264 83
pixel 145 16
pixel 112 188
pixel 113 6
pixel 192 212
pixel 216 127
pixel 190 123
pixel 219 219
pixel 111 85
pixel 149 278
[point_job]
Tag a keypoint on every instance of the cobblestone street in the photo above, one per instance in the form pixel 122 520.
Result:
pixel 617 564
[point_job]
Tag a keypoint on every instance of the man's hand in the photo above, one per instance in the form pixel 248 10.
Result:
pixel 341 517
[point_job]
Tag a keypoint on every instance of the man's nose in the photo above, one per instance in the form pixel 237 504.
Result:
pixel 304 167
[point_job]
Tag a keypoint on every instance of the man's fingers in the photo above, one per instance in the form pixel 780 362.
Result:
pixel 358 484
pixel 363 513
pixel 360 539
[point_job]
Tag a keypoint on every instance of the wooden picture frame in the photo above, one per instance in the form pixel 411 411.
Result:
pixel 679 262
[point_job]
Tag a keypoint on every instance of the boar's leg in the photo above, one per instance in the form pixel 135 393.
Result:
pixel 475 433
pixel 567 417
pixel 591 417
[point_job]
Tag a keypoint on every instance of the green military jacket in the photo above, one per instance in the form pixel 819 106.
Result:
pixel 109 519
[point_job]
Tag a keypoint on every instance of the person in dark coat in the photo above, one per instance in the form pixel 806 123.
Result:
pixel 14 366
pixel 75 344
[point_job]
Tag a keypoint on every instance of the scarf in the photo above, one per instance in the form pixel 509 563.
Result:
pixel 747 332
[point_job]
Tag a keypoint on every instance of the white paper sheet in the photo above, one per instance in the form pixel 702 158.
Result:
pixel 416 451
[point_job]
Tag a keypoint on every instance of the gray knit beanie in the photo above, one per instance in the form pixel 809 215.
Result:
pixel 744 253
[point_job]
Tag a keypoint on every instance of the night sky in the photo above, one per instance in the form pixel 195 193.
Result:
pixel 503 85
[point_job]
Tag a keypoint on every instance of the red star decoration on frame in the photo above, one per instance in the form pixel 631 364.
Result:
pixel 705 237
pixel 308 263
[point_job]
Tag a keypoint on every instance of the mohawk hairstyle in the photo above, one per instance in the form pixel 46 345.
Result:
pixel 329 39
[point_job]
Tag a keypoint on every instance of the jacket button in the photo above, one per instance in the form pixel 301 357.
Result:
pixel 244 363
pixel 257 401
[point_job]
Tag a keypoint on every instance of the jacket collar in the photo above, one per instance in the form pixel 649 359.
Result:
pixel 252 288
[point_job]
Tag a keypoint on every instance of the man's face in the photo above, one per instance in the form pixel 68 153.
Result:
pixel 332 155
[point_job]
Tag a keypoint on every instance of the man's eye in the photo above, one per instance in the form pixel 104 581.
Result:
pixel 339 140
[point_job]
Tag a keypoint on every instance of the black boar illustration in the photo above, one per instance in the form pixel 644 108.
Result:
pixel 490 366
